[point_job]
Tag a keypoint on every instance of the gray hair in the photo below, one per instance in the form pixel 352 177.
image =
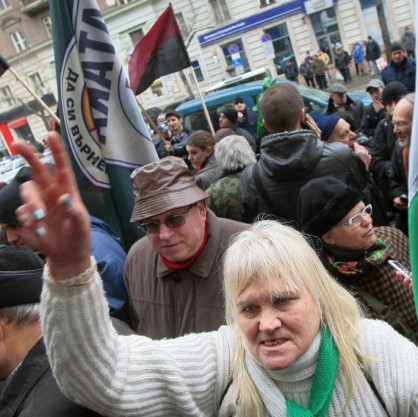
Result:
pixel 24 314
pixel 233 153
pixel 411 98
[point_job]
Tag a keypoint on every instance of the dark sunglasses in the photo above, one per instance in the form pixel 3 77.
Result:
pixel 172 222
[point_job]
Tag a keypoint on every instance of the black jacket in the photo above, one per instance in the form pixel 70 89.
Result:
pixel 371 118
pixel 33 391
pixel 287 162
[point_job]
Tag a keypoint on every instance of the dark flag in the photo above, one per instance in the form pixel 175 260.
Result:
pixel 4 66
pixel 160 52
pixel 100 118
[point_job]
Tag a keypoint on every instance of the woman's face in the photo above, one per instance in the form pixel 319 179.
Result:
pixel 197 155
pixel 279 328
pixel 359 235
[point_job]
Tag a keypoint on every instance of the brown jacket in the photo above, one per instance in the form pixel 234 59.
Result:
pixel 165 303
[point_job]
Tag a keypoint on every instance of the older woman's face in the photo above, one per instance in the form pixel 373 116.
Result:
pixel 361 235
pixel 280 328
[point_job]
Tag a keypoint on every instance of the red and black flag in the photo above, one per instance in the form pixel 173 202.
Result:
pixel 160 52
pixel 4 66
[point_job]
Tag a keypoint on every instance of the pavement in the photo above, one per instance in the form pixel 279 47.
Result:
pixel 359 83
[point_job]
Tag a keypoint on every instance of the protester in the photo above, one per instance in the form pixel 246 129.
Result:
pixel 358 57
pixel 401 67
pixel 305 69
pixel 229 120
pixel 30 388
pixel 356 253
pixel 402 126
pixel 172 275
pixel 200 149
pixel 162 140
pixel 375 111
pixel 320 69
pixel 339 102
pixel 247 118
pixel 342 60
pixel 291 72
pixel 106 246
pixel 179 135
pixel 295 337
pixel 290 156
pixel 372 54
pixel 384 142
pixel 233 154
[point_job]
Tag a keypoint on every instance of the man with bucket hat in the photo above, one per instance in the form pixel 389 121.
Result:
pixel 173 275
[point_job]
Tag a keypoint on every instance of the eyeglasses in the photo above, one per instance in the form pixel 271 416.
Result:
pixel 172 222
pixel 358 218
pixel 401 123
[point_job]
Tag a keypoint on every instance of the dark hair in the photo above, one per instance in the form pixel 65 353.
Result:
pixel 173 113
pixel 281 106
pixel 201 139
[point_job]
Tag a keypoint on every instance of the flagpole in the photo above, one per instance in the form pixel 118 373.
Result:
pixel 36 97
pixel 205 109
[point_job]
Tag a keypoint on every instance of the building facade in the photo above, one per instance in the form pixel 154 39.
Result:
pixel 223 37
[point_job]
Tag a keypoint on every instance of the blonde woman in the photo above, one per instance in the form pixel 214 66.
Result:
pixel 295 344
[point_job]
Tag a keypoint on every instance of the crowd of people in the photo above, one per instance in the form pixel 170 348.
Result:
pixel 262 286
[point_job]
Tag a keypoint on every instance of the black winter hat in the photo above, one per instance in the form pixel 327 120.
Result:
pixel 393 91
pixel 239 99
pixel 323 203
pixel 396 46
pixel 20 276
pixel 10 196
pixel 231 114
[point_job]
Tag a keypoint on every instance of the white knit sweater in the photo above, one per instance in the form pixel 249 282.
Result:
pixel 188 376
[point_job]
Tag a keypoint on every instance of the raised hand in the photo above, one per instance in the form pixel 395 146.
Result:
pixel 54 212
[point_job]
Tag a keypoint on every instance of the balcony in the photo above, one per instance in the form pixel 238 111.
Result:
pixel 32 7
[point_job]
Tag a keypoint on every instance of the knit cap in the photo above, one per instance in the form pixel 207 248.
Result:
pixel 327 123
pixel 396 46
pixel 323 203
pixel 231 114
pixel 20 276
pixel 393 91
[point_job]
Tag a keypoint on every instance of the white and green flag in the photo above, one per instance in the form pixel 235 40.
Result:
pixel 100 119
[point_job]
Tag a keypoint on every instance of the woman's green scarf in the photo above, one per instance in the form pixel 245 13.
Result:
pixel 323 383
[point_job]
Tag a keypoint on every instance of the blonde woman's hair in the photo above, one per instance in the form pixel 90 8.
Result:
pixel 260 255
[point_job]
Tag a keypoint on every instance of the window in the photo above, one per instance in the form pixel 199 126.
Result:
pixel 282 46
pixel 4 4
pixel 19 41
pixel 47 25
pixel 264 3
pixel 198 70
pixel 136 36
pixel 182 23
pixel 220 10
pixel 7 96
pixel 37 82
pixel 235 56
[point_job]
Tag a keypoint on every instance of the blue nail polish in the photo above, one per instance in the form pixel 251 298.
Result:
pixel 40 231
pixel 38 214
pixel 68 202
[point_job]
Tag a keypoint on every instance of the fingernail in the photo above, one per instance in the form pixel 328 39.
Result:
pixel 40 231
pixel 68 202
pixel 38 214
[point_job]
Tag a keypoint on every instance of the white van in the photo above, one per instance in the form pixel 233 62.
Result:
pixel 256 75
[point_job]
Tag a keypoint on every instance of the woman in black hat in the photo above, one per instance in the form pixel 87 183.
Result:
pixel 356 253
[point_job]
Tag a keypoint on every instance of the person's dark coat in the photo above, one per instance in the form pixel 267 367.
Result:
pixel 208 174
pixel 370 120
pixel 355 107
pixel 372 51
pixel 405 72
pixel 33 391
pixel 342 61
pixel 287 162
pixel 249 122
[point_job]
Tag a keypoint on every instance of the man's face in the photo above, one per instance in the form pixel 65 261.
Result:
pixel 224 122
pixel 180 243
pixel 402 121
pixel 390 106
pixel 20 236
pixel 174 123
pixel 240 106
pixel 398 56
pixel 339 99
pixel 342 133
pixel 376 93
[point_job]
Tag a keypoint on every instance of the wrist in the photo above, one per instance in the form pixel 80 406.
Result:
pixel 58 272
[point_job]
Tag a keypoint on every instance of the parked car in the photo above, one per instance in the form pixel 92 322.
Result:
pixel 193 117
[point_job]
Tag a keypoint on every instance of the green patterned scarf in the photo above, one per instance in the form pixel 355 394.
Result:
pixel 323 383
pixel 352 262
